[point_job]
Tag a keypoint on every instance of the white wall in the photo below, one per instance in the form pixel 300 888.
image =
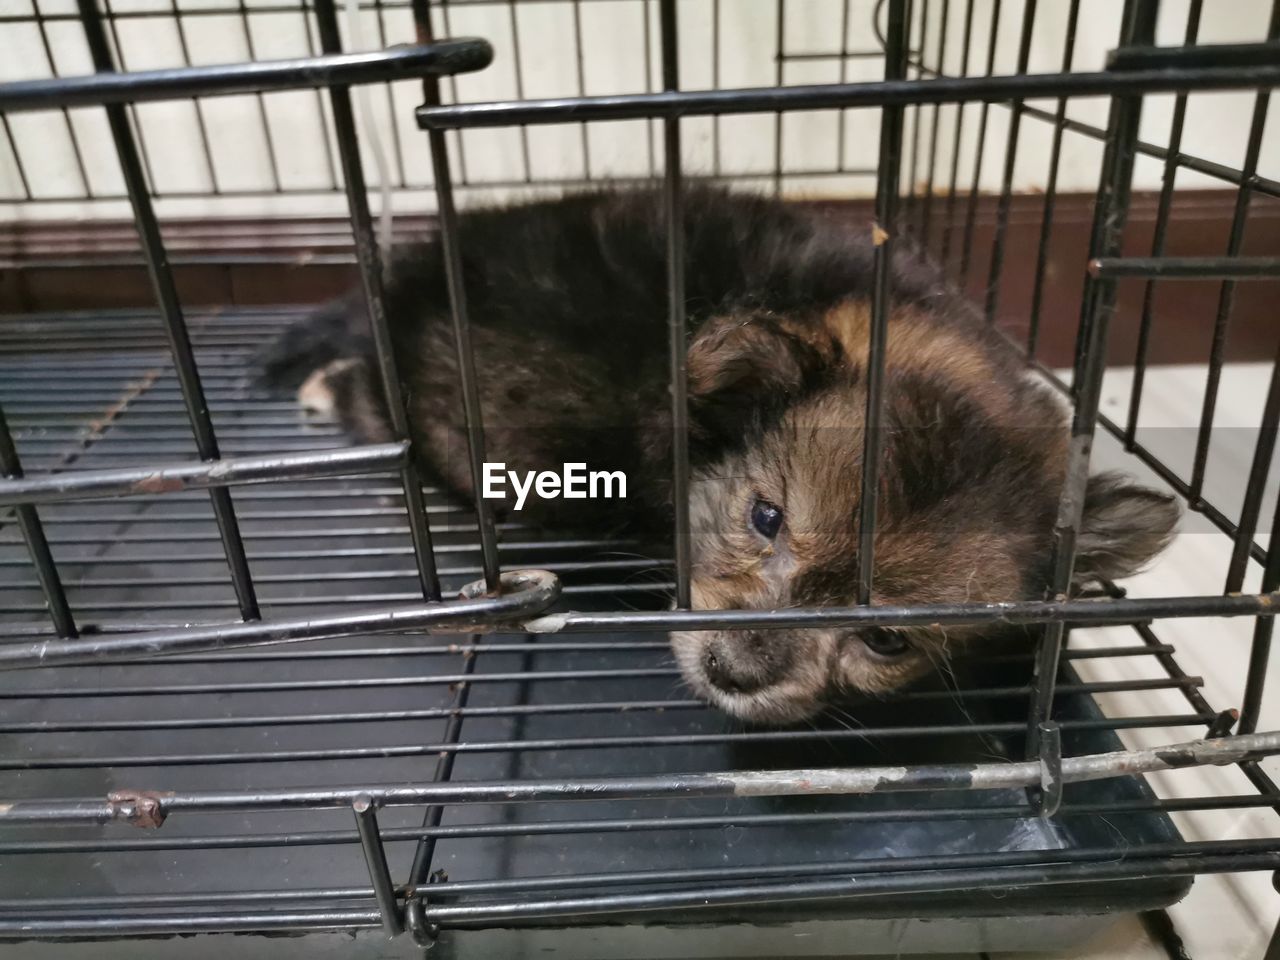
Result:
pixel 612 35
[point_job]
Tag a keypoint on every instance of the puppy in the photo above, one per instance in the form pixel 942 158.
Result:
pixel 569 322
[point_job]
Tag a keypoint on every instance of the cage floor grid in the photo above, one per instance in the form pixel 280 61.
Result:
pixel 93 391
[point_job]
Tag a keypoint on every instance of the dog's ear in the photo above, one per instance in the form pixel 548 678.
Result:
pixel 1124 526
pixel 739 365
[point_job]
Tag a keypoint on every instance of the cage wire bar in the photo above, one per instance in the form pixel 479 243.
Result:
pixel 371 280
pixel 166 294
pixel 1168 179
pixel 887 186
pixel 426 906
pixel 1098 305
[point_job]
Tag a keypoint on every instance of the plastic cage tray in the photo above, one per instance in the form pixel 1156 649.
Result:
pixel 97 391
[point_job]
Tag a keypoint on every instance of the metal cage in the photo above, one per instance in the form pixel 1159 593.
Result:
pixel 172 769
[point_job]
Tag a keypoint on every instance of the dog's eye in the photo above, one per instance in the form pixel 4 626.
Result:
pixel 885 643
pixel 766 518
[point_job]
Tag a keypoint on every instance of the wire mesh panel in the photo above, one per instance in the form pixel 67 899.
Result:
pixel 495 762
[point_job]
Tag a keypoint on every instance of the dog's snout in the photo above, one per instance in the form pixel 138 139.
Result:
pixel 728 672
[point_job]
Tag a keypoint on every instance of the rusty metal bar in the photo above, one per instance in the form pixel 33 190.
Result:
pixel 177 477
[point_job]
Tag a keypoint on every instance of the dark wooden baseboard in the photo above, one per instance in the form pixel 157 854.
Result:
pixel 95 265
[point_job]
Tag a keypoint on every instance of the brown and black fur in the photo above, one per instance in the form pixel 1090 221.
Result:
pixel 568 314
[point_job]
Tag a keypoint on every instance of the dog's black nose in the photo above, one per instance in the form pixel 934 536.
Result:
pixel 720 671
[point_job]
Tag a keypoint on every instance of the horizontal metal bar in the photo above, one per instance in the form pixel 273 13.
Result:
pixel 147 808
pixel 466 831
pixel 597 826
pixel 856 887
pixel 112 926
pixel 427 680
pixel 515 710
pixel 1200 55
pixel 448 915
pixel 842 95
pixel 420 749
pixel 524 593
pixel 297 259
pixel 1084 612
pixel 264 76
pixel 338 576
pixel 226 472
pixel 248 516
pixel 375 716
pixel 455 889
pixel 581 646
pixel 314 554
pixel 487 186
pixel 1187 268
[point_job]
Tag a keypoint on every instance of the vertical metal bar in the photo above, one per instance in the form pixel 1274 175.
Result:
pixel 175 327
pixel 66 114
pixel 459 140
pixel 379 16
pixel 371 278
pixel 841 115
pixel 1097 232
pixel 17 157
pixel 913 163
pixel 1113 189
pixel 262 104
pixel 715 84
pixel 424 852
pixel 1273 945
pixel 779 63
pixel 1051 187
pixel 926 208
pixel 518 67
pixel 449 241
pixel 888 170
pixel 1168 179
pixel 948 229
pixel 133 111
pixel 206 149
pixel 582 84
pixel 1263 628
pixel 1010 158
pixel 1049 798
pixel 328 143
pixel 448 220
pixel 425 849
pixel 673 203
pixel 966 248
pixel 375 856
pixel 37 544
pixel 1257 484
pixel 648 88
pixel 1227 297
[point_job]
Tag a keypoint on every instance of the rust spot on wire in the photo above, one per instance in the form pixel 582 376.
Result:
pixel 142 808
pixel 159 483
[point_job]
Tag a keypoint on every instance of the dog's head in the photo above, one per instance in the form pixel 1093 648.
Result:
pixel 972 465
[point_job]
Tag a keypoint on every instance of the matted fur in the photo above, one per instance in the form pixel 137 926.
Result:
pixel 569 324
